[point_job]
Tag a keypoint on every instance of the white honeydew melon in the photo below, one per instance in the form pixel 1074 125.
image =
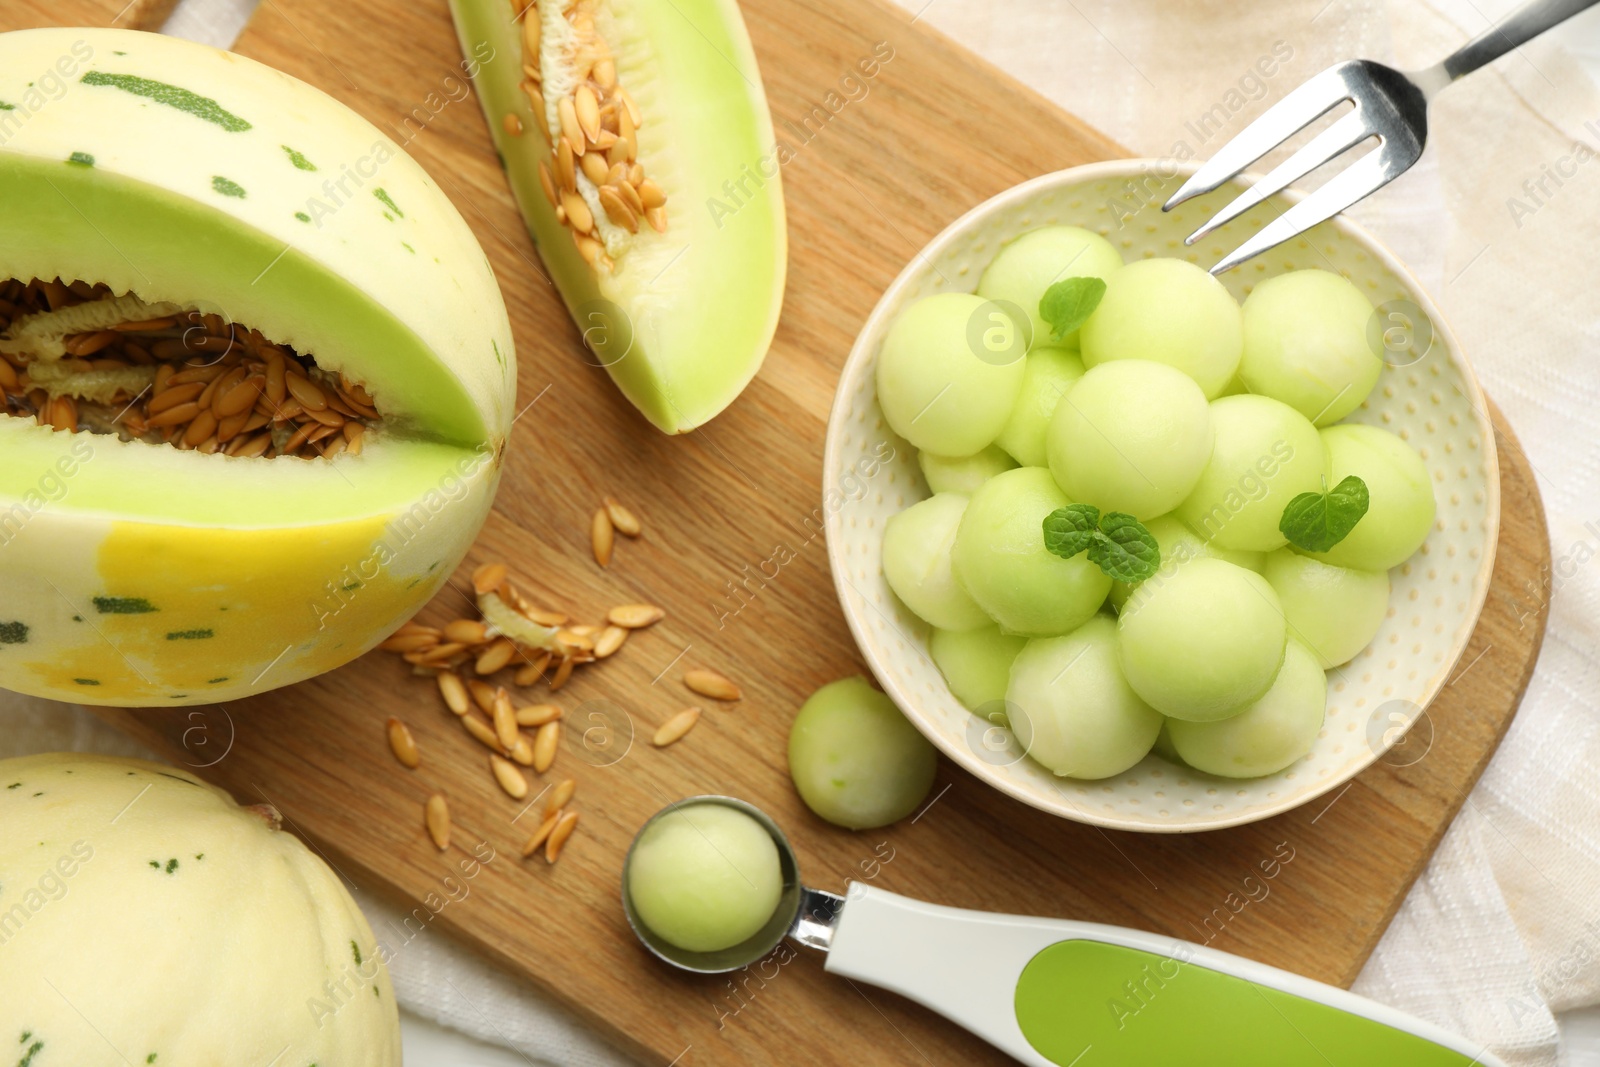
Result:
pixel 147 918
pixel 136 573
pixel 681 320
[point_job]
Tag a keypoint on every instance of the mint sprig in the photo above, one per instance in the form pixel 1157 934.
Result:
pixel 1066 304
pixel 1118 543
pixel 1315 522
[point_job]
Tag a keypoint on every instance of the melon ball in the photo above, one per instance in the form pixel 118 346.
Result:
pixel 1001 560
pixel 854 758
pixel 976 664
pixel 1204 642
pixel 1032 263
pixel 1178 545
pixel 1333 611
pixel 1266 454
pixel 1130 436
pixel 963 474
pixel 1400 505
pixel 1305 343
pixel 705 876
pixel 1071 708
pixel 1045 379
pixel 917 545
pixel 938 386
pixel 1168 311
pixel 1271 733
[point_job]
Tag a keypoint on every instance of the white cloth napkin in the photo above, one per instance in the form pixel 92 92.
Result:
pixel 1503 930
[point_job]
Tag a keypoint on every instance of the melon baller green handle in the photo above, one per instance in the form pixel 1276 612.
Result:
pixel 1053 992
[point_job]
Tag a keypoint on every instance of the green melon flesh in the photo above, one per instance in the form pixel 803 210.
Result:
pixel 186 175
pixel 684 320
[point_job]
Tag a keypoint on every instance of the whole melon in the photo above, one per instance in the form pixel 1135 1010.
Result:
pixel 146 918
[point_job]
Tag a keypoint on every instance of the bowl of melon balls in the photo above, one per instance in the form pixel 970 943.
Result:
pixel 1148 548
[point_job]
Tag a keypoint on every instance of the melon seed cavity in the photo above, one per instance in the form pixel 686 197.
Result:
pixel 79 358
pixel 592 132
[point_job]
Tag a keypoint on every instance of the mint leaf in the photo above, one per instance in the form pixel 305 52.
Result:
pixel 1118 544
pixel 1067 303
pixel 1315 522
pixel 1125 549
pixel 1072 529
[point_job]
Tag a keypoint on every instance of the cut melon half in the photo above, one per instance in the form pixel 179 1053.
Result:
pixel 637 141
pixel 181 216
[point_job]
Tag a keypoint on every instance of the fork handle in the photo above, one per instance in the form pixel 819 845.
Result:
pixel 1515 30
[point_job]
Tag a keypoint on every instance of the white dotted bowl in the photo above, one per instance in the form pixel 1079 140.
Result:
pixel 1434 403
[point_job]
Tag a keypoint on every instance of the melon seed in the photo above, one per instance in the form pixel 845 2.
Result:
pixel 403 745
pixel 437 814
pixel 510 778
pixel 562 830
pixel 711 684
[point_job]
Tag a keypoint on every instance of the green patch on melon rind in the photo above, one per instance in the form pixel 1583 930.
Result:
pixel 13 633
pixel 81 159
pixel 201 107
pixel 300 162
pixel 388 202
pixel 190 635
pixel 227 187
pixel 701 324
pixel 123 605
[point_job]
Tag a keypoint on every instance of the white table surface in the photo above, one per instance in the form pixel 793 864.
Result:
pixel 428 1045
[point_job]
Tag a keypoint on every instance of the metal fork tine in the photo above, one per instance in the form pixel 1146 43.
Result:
pixel 1336 139
pixel 1276 125
pixel 1371 172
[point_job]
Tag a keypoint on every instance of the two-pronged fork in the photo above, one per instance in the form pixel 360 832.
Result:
pixel 1390 105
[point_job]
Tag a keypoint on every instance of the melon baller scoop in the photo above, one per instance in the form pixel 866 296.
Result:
pixel 1072 994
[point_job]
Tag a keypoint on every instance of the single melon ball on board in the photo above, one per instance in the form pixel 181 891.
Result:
pixel 976 664
pixel 1306 344
pixel 1029 265
pixel 1130 436
pixel 1045 379
pixel 1266 454
pixel 1001 560
pixel 1071 708
pixel 1271 733
pixel 1400 506
pixel 963 474
pixel 939 386
pixel 705 876
pixel 1203 643
pixel 854 758
pixel 189 930
pixel 1334 611
pixel 917 545
pixel 1179 544
pixel 1168 311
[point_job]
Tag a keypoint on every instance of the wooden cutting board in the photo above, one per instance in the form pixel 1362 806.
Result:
pixel 936 133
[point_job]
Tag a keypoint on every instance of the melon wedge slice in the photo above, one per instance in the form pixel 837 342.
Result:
pixel 170 176
pixel 601 108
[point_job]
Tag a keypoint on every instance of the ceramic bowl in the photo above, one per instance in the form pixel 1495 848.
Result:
pixel 1427 394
